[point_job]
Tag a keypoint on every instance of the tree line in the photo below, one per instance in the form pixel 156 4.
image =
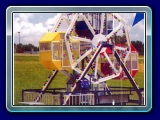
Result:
pixel 21 48
pixel 137 44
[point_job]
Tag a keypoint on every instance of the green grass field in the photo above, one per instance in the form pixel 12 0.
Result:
pixel 30 74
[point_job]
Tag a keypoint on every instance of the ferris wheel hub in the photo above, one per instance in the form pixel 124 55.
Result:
pixel 97 39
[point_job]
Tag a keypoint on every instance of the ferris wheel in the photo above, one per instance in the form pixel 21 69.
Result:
pixel 84 35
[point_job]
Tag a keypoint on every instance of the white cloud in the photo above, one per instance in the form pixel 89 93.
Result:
pixel 128 17
pixel 25 16
pixel 51 21
pixel 29 32
pixel 22 24
pixel 136 36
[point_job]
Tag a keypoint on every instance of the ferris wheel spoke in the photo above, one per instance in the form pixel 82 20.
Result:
pixel 88 24
pixel 81 39
pixel 112 33
pixel 82 57
pixel 110 62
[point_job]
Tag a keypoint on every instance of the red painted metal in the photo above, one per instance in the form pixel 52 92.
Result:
pixel 134 72
pixel 105 69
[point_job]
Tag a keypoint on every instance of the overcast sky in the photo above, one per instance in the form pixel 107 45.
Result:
pixel 32 26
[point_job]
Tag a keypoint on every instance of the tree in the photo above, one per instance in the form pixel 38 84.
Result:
pixel 15 47
pixel 20 48
pixel 139 46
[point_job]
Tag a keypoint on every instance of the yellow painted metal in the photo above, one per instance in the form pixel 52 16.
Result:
pixel 48 37
pixel 45 55
pixel 52 60
pixel 48 63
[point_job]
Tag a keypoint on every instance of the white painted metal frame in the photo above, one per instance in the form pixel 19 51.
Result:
pixel 83 98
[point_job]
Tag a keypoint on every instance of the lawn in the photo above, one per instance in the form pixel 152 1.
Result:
pixel 30 74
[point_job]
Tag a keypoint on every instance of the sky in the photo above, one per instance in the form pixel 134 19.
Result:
pixel 32 26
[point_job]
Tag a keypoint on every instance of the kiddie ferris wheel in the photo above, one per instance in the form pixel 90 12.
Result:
pixel 96 46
